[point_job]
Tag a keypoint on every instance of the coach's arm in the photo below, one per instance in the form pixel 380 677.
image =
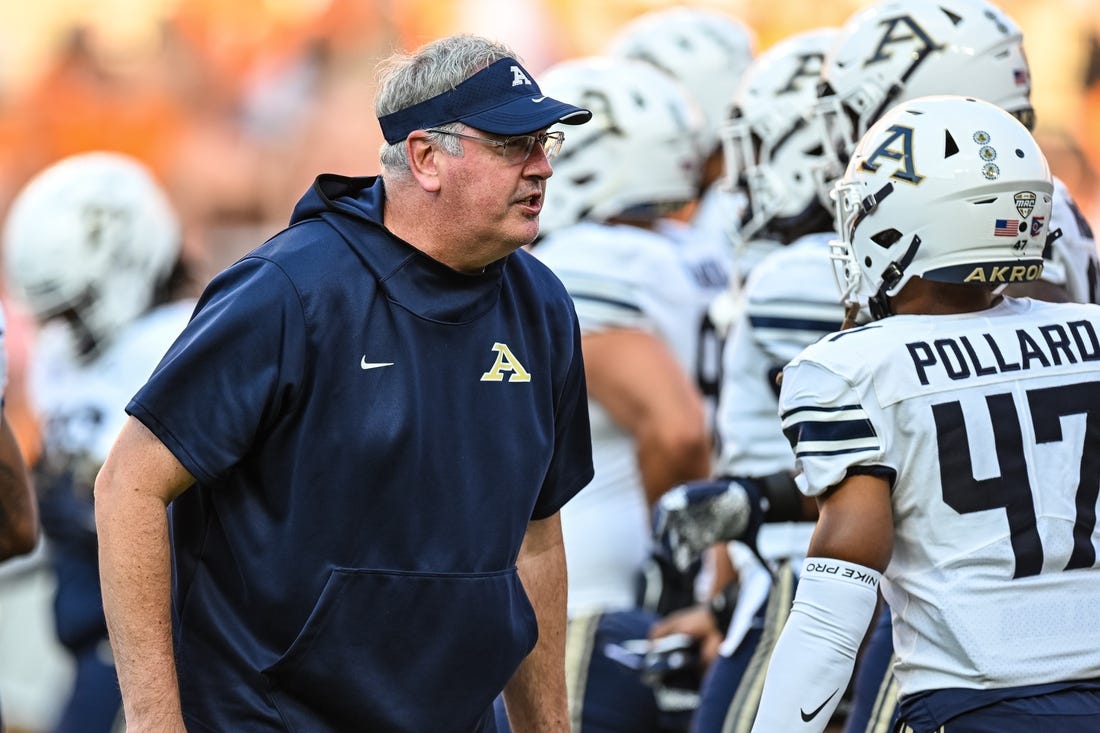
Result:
pixel 132 492
pixel 535 698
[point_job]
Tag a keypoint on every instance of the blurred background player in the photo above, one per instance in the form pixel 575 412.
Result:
pixel 19 528
pixel 965 485
pixel 707 51
pixel 18 508
pixel 788 301
pixel 92 248
pixel 635 162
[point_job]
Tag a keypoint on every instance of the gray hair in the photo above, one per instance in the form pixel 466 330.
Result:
pixel 408 79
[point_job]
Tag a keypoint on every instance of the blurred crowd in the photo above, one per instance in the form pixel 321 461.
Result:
pixel 236 106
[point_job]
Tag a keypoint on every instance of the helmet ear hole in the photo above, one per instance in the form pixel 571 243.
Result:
pixel 886 238
pixel 950 147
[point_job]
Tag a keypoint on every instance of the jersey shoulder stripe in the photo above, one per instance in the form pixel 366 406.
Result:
pixel 814 431
pixel 783 323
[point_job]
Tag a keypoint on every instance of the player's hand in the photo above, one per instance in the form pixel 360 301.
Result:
pixel 698 623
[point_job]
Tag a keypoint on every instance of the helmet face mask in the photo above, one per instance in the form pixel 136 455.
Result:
pixel 637 158
pixel 770 145
pixel 897 50
pixel 949 189
pixel 88 241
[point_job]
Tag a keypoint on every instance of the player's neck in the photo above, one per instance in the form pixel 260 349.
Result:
pixel 923 297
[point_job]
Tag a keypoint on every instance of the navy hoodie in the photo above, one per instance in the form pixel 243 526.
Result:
pixel 370 432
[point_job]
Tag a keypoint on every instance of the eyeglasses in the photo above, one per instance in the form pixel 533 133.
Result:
pixel 518 149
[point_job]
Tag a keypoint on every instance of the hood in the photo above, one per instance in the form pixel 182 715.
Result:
pixel 353 207
pixel 361 197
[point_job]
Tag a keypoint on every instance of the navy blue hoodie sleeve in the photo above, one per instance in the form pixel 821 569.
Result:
pixel 571 467
pixel 233 370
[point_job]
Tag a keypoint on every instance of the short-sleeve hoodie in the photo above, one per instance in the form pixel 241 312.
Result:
pixel 370 432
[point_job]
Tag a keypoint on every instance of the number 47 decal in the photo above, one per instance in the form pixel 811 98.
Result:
pixel 1012 490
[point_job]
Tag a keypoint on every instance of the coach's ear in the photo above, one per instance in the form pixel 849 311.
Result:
pixel 424 159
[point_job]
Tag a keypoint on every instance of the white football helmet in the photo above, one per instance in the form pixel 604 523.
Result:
pixel 947 188
pixel 638 157
pixel 704 49
pixel 770 143
pixel 897 50
pixel 89 239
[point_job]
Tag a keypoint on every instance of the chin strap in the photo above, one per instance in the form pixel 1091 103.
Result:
pixel 851 317
pixel 879 303
pixel 1048 247
pixel 867 205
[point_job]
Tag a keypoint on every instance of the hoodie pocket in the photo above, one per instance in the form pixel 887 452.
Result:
pixel 397 651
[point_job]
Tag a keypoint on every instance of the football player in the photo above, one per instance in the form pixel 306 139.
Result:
pixel 92 248
pixel 949 443
pixel 896 50
pixel 707 51
pixel 788 302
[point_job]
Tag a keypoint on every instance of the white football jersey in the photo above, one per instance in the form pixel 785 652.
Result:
pixel 620 277
pixel 80 404
pixel 707 257
pixel 1072 261
pixel 790 301
pixel 989 423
